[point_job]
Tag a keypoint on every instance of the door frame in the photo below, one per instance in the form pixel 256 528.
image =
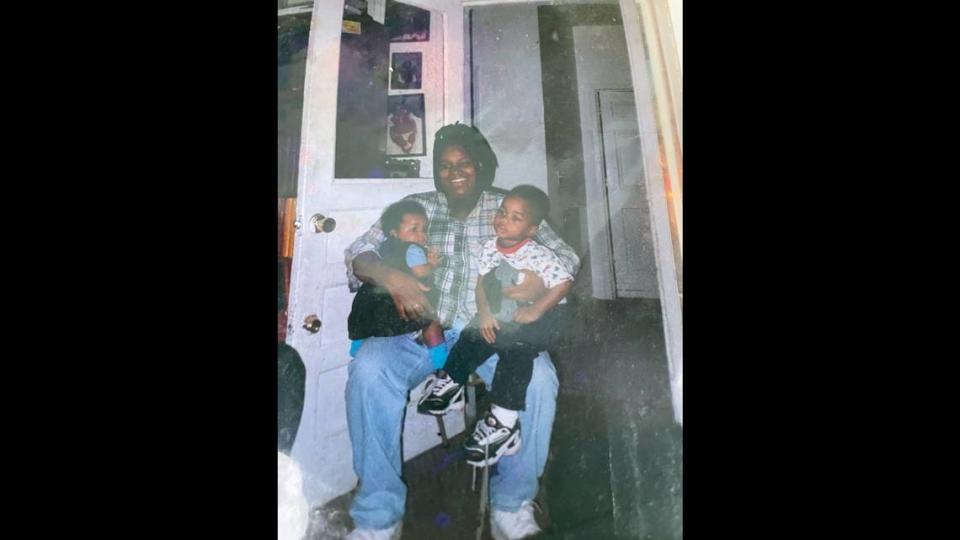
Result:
pixel 643 32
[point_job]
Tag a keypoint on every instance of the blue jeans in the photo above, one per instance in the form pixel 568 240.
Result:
pixel 379 379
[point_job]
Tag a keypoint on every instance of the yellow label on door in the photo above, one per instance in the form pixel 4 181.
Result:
pixel 351 27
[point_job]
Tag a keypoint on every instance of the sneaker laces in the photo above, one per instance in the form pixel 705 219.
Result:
pixel 485 430
pixel 441 385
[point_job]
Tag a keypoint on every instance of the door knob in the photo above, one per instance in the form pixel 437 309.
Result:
pixel 312 324
pixel 322 223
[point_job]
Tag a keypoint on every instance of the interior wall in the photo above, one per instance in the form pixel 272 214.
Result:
pixel 565 161
pixel 507 92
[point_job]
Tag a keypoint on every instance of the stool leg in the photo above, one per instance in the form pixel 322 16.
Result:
pixel 443 432
pixel 470 411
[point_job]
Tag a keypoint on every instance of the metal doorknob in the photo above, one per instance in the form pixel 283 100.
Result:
pixel 312 324
pixel 322 223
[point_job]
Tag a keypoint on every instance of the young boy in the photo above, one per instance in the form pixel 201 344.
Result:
pixel 516 332
pixel 373 313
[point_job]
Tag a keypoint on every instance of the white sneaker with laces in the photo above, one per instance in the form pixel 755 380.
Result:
pixel 441 395
pixel 391 533
pixel 428 385
pixel 514 525
pixel 490 441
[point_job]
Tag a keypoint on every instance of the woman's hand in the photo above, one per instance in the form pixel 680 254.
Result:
pixel 529 290
pixel 527 314
pixel 407 293
pixel 405 290
pixel 488 324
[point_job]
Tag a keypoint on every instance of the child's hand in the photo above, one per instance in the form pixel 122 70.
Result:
pixel 487 323
pixel 530 289
pixel 433 257
pixel 527 314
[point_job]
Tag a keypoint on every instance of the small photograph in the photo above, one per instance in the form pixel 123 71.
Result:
pixel 405 128
pixel 405 71
pixel 407 23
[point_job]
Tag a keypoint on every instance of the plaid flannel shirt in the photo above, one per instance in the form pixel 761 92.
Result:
pixel 459 244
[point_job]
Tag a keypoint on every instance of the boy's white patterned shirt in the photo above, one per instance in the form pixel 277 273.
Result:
pixel 530 256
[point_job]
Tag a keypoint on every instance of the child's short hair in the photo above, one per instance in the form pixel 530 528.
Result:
pixel 393 215
pixel 537 201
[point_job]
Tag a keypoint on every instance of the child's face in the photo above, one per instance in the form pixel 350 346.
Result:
pixel 513 221
pixel 413 228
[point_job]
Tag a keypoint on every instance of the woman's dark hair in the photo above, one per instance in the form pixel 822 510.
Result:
pixel 393 215
pixel 474 144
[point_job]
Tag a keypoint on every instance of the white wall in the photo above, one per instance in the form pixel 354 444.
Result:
pixel 508 92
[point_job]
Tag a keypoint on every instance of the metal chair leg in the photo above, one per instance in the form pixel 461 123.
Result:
pixel 470 411
pixel 443 432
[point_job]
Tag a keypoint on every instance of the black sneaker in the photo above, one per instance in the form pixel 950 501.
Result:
pixel 497 439
pixel 440 395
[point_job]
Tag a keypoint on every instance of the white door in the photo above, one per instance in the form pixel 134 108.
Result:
pixel 634 267
pixel 318 279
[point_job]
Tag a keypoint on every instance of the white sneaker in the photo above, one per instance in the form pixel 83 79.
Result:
pixel 392 533
pixel 490 441
pixel 514 525
pixel 440 395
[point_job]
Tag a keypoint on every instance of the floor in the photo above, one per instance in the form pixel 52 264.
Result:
pixel 615 467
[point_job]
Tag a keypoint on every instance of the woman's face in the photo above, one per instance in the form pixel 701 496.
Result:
pixel 458 174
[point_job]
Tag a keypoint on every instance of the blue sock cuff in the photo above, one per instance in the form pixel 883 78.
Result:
pixel 355 346
pixel 438 355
